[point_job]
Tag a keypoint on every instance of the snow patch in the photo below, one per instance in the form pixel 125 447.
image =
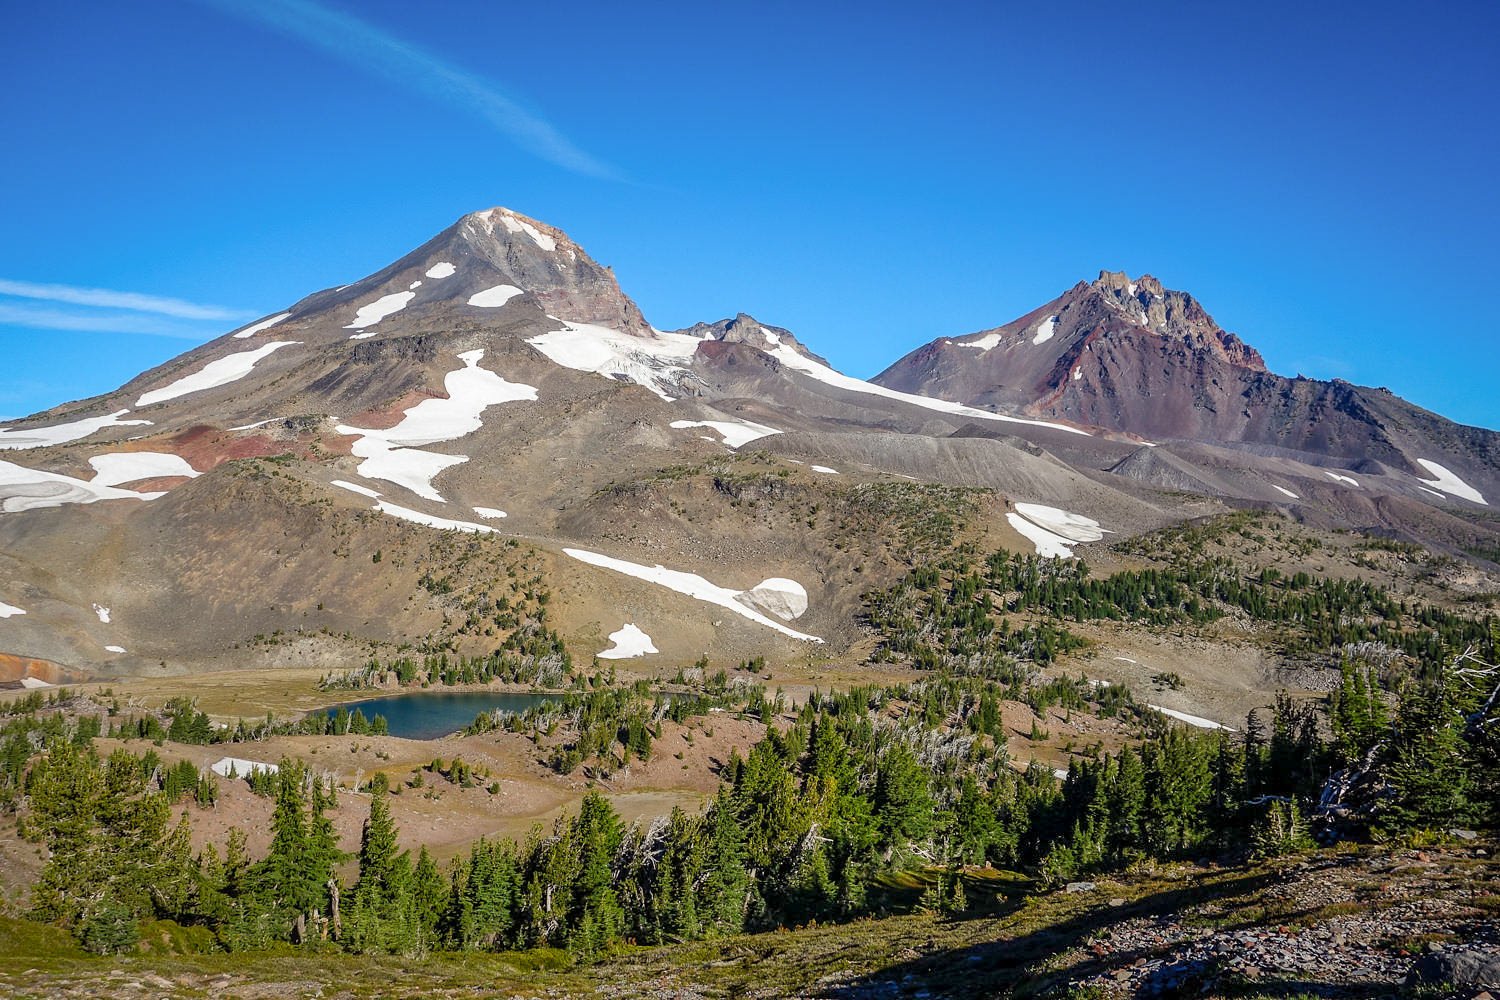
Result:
pixel 1052 530
pixel 415 284
pixel 240 767
pixel 114 649
pixel 494 298
pixel 9 610
pixel 773 339
pixel 264 324
pixel 258 423
pixel 1074 527
pixel 652 362
pixel 230 368
pixel 1450 483
pixel 489 513
pixel 442 269
pixel 628 642
pixel 825 470
pixel 365 491
pixel 471 390
pixel 1283 489
pixel 133 466
pixel 16 439
pixel 734 432
pixel 1077 374
pixel 102 612
pixel 1340 479
pixel 373 312
pixel 822 373
pixel 1045 331
pixel 1192 720
pixel 1440 496
pixel 786 599
pixel 442 523
pixel 988 342
pixel 692 585
pixel 32 489
pixel 1048 545
pixel 541 239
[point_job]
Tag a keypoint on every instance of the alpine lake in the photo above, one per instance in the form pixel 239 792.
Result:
pixel 429 715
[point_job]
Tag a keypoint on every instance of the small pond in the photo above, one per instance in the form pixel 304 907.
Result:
pixel 427 715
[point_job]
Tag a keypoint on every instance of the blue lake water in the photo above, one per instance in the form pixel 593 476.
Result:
pixel 427 715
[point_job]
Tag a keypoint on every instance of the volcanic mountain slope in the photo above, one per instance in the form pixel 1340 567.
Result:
pixel 407 460
pixel 495 382
pixel 1137 358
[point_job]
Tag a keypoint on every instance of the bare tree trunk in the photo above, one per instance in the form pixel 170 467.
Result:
pixel 333 909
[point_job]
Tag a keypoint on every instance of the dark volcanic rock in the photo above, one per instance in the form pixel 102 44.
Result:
pixel 1457 967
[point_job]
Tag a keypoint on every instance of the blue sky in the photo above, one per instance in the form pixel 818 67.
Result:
pixel 868 175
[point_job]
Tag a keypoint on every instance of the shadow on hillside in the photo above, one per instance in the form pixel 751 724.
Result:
pixel 1006 966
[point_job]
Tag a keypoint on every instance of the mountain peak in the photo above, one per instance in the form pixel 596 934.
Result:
pixel 746 329
pixel 541 259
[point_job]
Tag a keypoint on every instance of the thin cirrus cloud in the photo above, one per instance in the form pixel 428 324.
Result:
pixel 47 318
pixel 38 306
pixel 110 299
pixel 367 47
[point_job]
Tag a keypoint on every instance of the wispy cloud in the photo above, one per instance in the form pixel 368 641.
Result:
pixel 367 47
pixel 43 318
pixel 109 299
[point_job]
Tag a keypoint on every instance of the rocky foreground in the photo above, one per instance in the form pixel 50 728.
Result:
pixel 1373 922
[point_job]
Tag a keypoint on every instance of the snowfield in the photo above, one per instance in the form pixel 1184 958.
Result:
pixel 264 324
pixel 227 369
pixel 734 432
pixel 9 610
pixel 133 466
pixel 692 585
pixel 626 643
pixel 471 390
pixel 655 363
pixel 373 312
pixel 494 298
pixel 414 516
pixel 1192 720
pixel 14 439
pixel 363 491
pixel 32 489
pixel 441 523
pixel 828 376
pixel 1052 530
pixel 411 468
pixel 786 599
pixel 658 364
pixel 240 767
pixel 1447 482
pixel 541 239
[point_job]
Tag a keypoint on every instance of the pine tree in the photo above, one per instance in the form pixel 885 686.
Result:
pixel 726 887
pixel 1427 769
